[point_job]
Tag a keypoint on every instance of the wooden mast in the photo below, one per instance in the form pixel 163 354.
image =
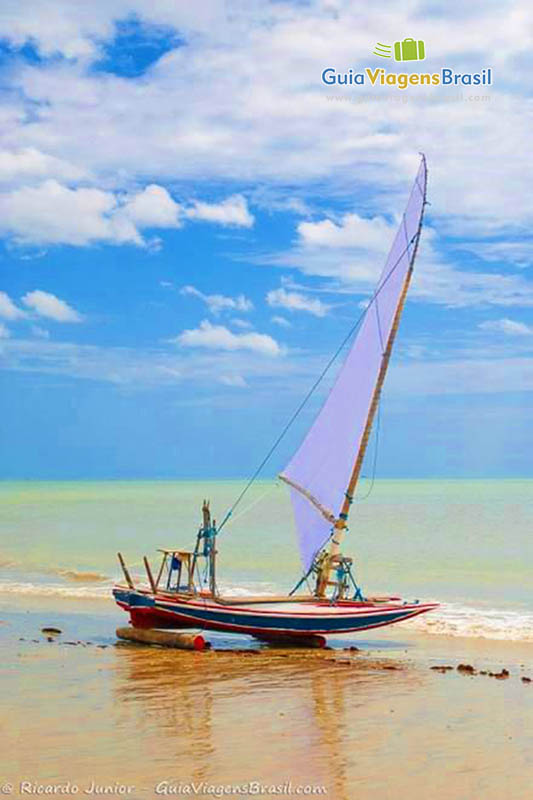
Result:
pixel 339 528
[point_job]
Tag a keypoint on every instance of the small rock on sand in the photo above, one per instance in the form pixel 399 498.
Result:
pixel 526 679
pixel 501 676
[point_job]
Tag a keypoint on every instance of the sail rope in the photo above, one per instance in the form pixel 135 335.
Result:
pixel 256 502
pixel 375 459
pixel 317 383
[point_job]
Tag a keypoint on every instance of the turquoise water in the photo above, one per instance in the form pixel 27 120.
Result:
pixel 468 544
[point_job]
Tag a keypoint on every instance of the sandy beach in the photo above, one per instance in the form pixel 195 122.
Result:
pixel 88 715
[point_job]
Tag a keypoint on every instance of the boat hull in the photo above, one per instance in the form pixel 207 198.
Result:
pixel 290 619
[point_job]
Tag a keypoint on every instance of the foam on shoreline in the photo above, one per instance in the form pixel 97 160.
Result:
pixel 451 619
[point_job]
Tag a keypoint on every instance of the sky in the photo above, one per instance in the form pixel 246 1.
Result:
pixel 191 221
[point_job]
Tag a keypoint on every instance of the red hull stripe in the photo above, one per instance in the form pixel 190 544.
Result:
pixel 182 620
pixel 214 617
pixel 205 605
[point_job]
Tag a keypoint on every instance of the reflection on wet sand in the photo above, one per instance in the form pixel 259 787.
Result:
pixel 329 711
pixel 269 716
pixel 357 724
pixel 171 701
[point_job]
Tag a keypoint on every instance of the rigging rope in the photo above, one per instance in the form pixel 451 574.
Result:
pixel 317 382
pixel 375 460
pixel 258 500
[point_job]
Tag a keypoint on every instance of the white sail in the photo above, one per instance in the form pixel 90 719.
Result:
pixel 320 471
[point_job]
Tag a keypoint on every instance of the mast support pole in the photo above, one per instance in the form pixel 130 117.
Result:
pixel 340 526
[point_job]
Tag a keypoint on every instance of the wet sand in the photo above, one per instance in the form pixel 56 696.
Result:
pixel 376 723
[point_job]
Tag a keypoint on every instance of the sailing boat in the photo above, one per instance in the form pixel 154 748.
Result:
pixel 322 477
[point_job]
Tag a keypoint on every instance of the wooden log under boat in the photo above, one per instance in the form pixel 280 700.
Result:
pixel 177 639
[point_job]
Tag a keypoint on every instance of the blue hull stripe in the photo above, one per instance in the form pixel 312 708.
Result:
pixel 303 623
pixel 329 624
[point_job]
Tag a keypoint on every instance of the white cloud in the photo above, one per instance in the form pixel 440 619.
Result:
pixel 202 115
pixel 509 327
pixel 153 208
pixel 40 333
pixel 519 253
pixel 194 368
pixel 218 302
pixel 233 380
pixel 218 337
pixel 356 269
pixel 4 331
pixel 52 214
pixel 8 309
pixel 464 376
pixel 231 211
pixel 349 248
pixel 295 301
pixel 350 231
pixel 243 324
pixel 438 281
pixel 281 321
pixel 76 31
pixel 30 164
pixel 48 305
pixel 138 367
pixel 54 27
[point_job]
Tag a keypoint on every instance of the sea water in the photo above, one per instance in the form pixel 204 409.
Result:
pixel 467 544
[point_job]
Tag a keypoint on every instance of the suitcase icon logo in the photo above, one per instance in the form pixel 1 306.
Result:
pixel 409 50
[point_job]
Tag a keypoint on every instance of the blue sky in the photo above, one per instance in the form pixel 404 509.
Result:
pixel 190 221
